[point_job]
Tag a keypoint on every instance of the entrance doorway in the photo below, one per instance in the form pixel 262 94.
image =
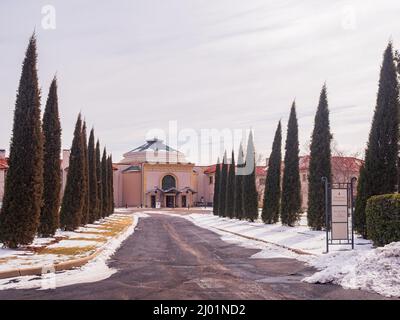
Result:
pixel 170 201
pixel 153 201
pixel 184 202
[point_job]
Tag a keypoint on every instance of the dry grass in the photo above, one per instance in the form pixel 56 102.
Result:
pixel 69 251
pixel 111 228
pixel 98 239
pixel 108 229
pixel 4 260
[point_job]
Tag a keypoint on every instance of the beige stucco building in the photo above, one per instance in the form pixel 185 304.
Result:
pixel 156 175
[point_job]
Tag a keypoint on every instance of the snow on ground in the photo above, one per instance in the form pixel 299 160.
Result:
pixel 373 270
pixel 364 268
pixel 95 270
pixel 299 238
pixel 73 244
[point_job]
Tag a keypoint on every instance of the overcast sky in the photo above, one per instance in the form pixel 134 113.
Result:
pixel 131 66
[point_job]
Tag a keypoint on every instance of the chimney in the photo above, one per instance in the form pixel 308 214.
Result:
pixel 2 153
pixel 65 158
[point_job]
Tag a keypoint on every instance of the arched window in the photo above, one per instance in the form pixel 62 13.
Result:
pixel 168 182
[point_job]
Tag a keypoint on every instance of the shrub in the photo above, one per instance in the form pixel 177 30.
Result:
pixel 383 219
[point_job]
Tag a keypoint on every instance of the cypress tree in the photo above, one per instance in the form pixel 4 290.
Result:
pixel 93 188
pixel 105 185
pixel 85 191
pixel 250 194
pixel 230 189
pixel 217 183
pixel 272 194
pixel 99 182
pixel 360 223
pixel 22 201
pixel 381 156
pixel 50 213
pixel 111 184
pixel 320 164
pixel 224 181
pixel 239 186
pixel 291 185
pixel 73 200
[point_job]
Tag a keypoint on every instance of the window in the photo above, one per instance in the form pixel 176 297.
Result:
pixel 210 179
pixel 168 182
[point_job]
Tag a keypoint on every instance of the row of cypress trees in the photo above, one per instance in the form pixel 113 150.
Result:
pixel 282 193
pixel 282 199
pixel 88 194
pixel 235 193
pixel 380 173
pixel 32 195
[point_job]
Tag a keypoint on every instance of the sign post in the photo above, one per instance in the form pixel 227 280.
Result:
pixel 339 210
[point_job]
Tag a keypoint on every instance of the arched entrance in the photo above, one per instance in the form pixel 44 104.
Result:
pixel 168 184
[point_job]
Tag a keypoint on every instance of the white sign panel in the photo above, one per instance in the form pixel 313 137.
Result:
pixel 339 197
pixel 339 214
pixel 158 204
pixel 340 231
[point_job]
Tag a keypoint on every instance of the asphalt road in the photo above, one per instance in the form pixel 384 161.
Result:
pixel 171 258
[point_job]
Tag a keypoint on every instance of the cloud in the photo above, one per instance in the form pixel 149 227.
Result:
pixel 131 66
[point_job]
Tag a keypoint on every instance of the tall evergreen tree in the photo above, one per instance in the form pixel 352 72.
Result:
pixel 50 213
pixel 360 223
pixel 99 182
pixel 73 200
pixel 291 185
pixel 222 191
pixel 381 156
pixel 239 187
pixel 250 194
pixel 105 185
pixel 230 189
pixel 93 187
pixel 22 201
pixel 111 184
pixel 217 183
pixel 320 164
pixel 272 194
pixel 85 191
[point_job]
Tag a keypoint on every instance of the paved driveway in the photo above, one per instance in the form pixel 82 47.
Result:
pixel 171 258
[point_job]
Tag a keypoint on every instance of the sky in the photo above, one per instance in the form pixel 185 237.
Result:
pixel 133 66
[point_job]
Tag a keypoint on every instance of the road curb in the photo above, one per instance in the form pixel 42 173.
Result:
pixel 298 251
pixel 38 271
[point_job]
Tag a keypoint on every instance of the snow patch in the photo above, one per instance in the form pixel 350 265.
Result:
pixel 375 270
pixel 95 270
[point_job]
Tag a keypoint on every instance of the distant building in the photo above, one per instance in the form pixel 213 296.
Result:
pixel 155 175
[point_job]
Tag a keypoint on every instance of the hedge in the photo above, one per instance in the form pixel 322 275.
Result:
pixel 383 219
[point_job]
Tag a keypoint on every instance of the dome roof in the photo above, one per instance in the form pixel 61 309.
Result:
pixel 154 150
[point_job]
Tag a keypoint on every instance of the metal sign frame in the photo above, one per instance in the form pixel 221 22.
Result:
pixel 347 203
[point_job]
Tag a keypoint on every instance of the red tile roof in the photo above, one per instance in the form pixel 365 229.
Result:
pixel 210 169
pixel 350 163
pixel 3 164
pixel 260 170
